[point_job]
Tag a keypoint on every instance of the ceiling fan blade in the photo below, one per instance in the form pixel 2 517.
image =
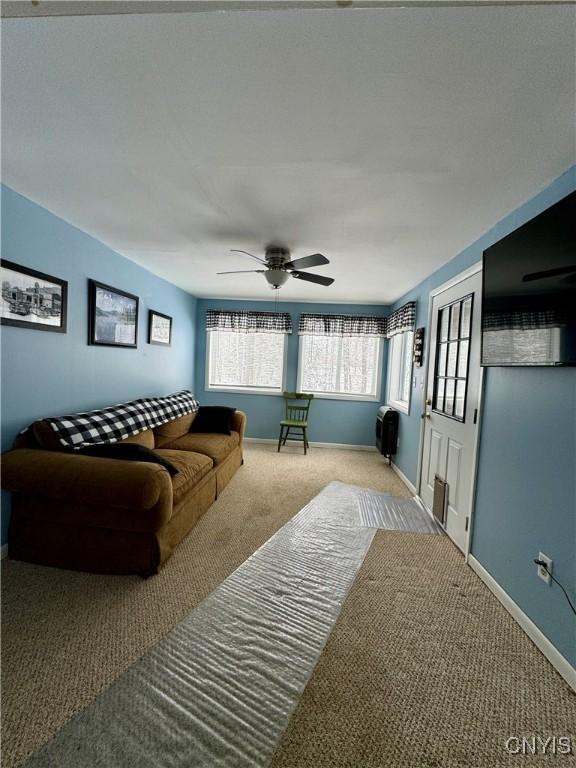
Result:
pixel 235 250
pixel 312 278
pixel 568 270
pixel 314 260
pixel 240 271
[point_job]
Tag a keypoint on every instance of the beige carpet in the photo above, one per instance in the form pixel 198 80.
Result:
pixel 424 668
pixel 66 636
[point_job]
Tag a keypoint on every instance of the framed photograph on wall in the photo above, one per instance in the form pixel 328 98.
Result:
pixel 112 316
pixel 32 299
pixel 159 328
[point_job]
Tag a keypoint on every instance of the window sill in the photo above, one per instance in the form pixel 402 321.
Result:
pixel 337 396
pixel 245 391
pixel 399 406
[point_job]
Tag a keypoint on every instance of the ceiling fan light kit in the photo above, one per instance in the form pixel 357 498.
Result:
pixel 276 277
pixel 280 267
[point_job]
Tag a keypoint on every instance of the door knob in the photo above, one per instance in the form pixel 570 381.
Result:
pixel 425 415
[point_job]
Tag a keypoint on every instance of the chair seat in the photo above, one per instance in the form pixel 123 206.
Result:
pixel 293 423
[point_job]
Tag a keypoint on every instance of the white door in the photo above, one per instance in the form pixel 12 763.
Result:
pixel 452 396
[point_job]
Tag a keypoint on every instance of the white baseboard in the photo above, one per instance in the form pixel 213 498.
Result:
pixel 559 662
pixel 404 479
pixel 339 446
pixel 3 551
pixel 412 487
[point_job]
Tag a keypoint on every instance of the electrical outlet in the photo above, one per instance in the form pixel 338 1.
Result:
pixel 544 573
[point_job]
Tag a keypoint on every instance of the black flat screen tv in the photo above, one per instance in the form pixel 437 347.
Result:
pixel 529 292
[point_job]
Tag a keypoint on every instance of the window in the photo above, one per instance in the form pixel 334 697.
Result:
pixel 400 378
pixel 400 331
pixel 340 366
pixel 340 356
pixel 246 351
pixel 523 346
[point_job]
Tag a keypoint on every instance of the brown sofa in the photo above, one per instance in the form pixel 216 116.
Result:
pixel 112 516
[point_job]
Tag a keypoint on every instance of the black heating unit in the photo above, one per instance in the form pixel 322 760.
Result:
pixel 387 431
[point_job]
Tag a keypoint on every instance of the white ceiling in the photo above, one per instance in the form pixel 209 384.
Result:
pixel 387 139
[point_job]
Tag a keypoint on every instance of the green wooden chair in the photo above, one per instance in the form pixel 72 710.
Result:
pixel 297 407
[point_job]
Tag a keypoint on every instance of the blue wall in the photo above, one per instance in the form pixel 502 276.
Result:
pixel 331 421
pixel 526 484
pixel 47 374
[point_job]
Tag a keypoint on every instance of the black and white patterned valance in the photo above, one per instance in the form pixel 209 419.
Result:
pixel 341 325
pixel 402 320
pixel 523 320
pixel 119 421
pixel 248 322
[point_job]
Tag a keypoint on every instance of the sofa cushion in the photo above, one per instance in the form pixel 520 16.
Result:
pixel 127 452
pixel 218 447
pixel 191 469
pixel 213 418
pixel 173 430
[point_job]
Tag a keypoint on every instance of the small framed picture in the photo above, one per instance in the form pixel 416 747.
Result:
pixel 32 299
pixel 112 316
pixel 159 328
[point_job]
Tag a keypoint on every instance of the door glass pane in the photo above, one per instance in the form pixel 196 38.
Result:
pixel 452 355
pixel 442 360
pixel 449 404
pixel 439 404
pixel 454 320
pixel 443 324
pixel 463 359
pixel 466 316
pixel 459 402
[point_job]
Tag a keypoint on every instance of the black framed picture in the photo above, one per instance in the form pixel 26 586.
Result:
pixel 112 316
pixel 159 328
pixel 32 299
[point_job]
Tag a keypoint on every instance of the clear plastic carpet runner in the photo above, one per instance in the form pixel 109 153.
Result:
pixel 219 689
pixel 377 510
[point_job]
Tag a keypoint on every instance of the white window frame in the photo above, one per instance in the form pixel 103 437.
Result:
pixel 238 388
pixel 338 395
pixel 395 371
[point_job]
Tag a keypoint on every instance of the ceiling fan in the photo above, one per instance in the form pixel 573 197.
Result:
pixel 569 271
pixel 279 267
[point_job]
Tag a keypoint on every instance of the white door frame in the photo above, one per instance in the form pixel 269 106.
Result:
pixel 475 268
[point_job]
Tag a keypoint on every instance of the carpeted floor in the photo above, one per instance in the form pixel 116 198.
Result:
pixel 423 668
pixel 66 636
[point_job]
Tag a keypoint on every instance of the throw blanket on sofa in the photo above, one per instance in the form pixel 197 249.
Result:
pixel 119 421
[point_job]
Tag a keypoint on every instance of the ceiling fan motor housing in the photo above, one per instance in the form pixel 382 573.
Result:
pixel 276 256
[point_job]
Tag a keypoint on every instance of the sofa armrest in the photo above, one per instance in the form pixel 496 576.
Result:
pixel 86 479
pixel 239 423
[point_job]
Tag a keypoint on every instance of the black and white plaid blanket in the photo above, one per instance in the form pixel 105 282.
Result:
pixel 119 421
